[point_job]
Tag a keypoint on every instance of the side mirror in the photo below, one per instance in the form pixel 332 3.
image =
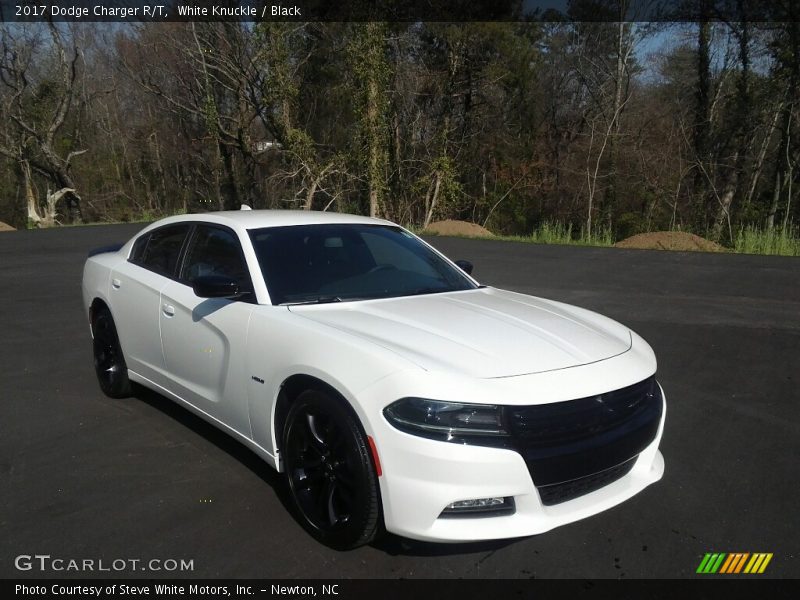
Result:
pixel 215 286
pixel 465 266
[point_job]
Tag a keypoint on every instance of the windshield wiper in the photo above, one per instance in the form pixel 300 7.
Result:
pixel 317 300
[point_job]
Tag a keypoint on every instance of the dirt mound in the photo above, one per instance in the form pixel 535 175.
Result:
pixel 670 240
pixel 451 227
pixel 6 227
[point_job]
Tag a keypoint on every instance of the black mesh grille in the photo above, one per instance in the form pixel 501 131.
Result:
pixel 581 444
pixel 561 492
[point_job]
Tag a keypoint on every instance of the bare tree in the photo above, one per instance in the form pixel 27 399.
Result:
pixel 38 75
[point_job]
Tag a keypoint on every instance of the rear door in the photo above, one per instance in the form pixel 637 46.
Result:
pixel 204 338
pixel 135 294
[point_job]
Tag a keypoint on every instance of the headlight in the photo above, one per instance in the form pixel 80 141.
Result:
pixel 449 421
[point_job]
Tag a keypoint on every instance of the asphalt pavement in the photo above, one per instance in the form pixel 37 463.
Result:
pixel 86 477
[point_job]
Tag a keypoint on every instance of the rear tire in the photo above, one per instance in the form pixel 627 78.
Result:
pixel 109 362
pixel 332 480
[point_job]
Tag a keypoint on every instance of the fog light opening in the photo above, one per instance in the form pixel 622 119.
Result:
pixel 480 507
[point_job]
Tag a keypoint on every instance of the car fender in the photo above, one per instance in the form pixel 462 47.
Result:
pixel 97 280
pixel 316 350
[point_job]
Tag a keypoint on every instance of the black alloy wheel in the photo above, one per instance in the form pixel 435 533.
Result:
pixel 331 476
pixel 109 363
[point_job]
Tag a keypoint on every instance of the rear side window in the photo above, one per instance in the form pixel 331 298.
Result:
pixel 163 249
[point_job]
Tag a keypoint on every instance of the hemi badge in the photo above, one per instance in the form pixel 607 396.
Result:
pixel 258 379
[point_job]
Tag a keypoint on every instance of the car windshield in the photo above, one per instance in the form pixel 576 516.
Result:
pixel 335 263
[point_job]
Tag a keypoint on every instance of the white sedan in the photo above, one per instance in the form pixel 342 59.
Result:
pixel 391 387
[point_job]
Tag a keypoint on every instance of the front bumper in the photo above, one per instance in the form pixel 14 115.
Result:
pixel 421 477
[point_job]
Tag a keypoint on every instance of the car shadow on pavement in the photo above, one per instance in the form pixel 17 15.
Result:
pixel 391 544
pixel 394 545
pixel 221 440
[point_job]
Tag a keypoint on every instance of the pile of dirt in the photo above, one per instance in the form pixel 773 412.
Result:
pixel 462 228
pixel 6 227
pixel 670 240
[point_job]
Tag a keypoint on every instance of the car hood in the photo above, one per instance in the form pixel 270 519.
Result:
pixel 482 333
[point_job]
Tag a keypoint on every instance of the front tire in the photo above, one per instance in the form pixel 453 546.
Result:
pixel 332 480
pixel 109 362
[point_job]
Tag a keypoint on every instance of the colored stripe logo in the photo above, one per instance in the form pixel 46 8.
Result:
pixel 734 563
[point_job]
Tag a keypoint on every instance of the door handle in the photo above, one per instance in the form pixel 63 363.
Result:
pixel 168 310
pixel 115 283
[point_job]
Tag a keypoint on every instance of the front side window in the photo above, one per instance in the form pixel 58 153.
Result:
pixel 162 250
pixel 330 263
pixel 215 251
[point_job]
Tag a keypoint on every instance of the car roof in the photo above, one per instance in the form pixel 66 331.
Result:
pixel 255 219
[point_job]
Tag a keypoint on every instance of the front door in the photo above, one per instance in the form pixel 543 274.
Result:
pixel 204 338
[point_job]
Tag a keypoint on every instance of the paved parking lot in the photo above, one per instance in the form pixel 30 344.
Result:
pixel 84 476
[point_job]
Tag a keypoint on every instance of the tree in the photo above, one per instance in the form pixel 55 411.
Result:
pixel 370 68
pixel 38 74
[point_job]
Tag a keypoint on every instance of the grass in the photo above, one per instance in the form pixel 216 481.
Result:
pixel 750 240
pixel 780 242
pixel 559 233
pixel 551 233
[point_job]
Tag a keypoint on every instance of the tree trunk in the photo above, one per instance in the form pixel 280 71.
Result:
pixel 762 154
pixel 72 200
pixel 776 196
pixel 375 114
pixel 610 195
pixel 231 196
pixel 34 217
pixel 790 180
pixel 437 181
pixel 724 212
pixel 312 189
pixel 701 119
pixel 374 147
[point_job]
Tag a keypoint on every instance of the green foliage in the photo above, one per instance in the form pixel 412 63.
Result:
pixel 628 224
pixel 507 119
pixel 450 188
pixel 299 143
pixel 210 113
pixel 370 73
pixel 755 240
pixel 277 41
pixel 554 232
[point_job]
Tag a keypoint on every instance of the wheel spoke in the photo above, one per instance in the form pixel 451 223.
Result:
pixel 315 436
pixel 306 479
pixel 323 495
pixel 332 516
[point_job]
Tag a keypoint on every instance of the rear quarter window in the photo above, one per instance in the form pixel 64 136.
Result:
pixel 138 249
pixel 162 249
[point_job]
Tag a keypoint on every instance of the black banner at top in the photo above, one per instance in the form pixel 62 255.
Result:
pixel 156 11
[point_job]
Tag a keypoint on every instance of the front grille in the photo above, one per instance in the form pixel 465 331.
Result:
pixel 562 492
pixel 580 445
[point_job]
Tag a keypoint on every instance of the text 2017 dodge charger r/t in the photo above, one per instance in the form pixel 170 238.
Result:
pixel 388 385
